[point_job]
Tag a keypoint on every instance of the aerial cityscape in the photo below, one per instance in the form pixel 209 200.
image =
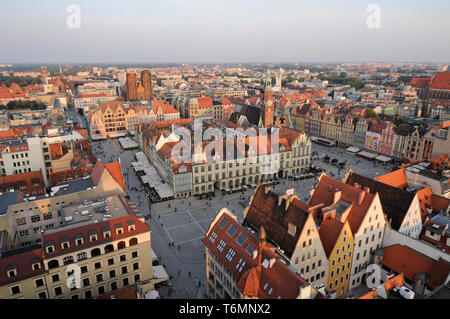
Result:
pixel 223 176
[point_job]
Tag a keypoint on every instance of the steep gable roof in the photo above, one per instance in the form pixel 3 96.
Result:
pixel 395 201
pixel 265 212
pixel 116 172
pixel 396 178
pixel 329 232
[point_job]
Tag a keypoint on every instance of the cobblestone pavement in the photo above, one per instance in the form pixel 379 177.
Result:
pixel 183 222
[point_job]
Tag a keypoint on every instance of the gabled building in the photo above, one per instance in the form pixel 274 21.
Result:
pixel 401 208
pixel 291 228
pixel 337 241
pixel 363 211
pixel 241 264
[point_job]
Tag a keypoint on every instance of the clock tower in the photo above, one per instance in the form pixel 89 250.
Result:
pixel 268 101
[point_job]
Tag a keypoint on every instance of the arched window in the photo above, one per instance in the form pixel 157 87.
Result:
pixel 133 241
pixel 67 260
pixel 121 245
pixel 53 264
pixel 109 248
pixel 95 252
pixel 82 256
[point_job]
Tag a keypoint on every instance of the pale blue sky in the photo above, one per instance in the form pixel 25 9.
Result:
pixel 224 31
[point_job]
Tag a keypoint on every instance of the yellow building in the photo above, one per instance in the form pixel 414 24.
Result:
pixel 337 241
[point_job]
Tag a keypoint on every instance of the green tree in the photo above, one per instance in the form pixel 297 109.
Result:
pixel 22 104
pixel 370 113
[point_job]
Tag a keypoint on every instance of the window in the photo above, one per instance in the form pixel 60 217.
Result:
pixel 55 278
pixel 58 291
pixel 84 269
pixel 99 277
pixel 111 261
pixel 221 246
pixel 97 265
pixel 42 295
pixel 86 282
pixel 88 294
pixel 230 254
pixel 35 218
pixel 125 281
pixel 15 290
pixel 101 290
pixel 68 260
pixel 213 237
pixel 112 273
pixel 232 230
pixel 124 270
pixel 242 238
pixel 137 277
pixel 134 254
pixel 123 257
pixel 39 283
pixel 135 266
pixel 81 256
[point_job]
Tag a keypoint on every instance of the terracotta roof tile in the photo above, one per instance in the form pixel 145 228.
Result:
pixel 402 259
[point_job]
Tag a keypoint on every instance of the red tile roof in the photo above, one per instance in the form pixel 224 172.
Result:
pixel 396 178
pixel 23 263
pixel 204 102
pixel 402 259
pixel 70 234
pixel 255 278
pixel 329 232
pixel 389 285
pixel 265 212
pixel 441 81
pixel 116 172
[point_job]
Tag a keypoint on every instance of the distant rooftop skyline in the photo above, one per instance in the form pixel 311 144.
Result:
pixel 232 31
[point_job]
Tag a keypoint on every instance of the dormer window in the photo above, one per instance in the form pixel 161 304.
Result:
pixel 36 264
pixel 106 232
pixel 131 226
pixel 92 235
pixel 49 247
pixel 11 271
pixel 119 228
pixel 79 239
pixel 65 243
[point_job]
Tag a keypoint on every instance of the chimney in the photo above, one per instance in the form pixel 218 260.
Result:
pixel 361 197
pixel 305 291
pixel 271 262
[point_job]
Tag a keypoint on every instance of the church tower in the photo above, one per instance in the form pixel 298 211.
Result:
pixel 146 80
pixel 268 101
